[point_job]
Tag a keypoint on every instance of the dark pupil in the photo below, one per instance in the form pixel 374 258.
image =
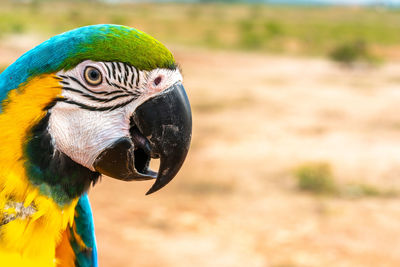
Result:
pixel 93 75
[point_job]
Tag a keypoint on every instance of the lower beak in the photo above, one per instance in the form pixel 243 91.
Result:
pixel 161 127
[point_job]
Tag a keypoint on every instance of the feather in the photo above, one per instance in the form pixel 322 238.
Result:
pixel 98 43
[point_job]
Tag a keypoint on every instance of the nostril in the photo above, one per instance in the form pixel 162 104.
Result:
pixel 157 80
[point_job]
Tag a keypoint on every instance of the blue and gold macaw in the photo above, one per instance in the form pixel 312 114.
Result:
pixel 98 100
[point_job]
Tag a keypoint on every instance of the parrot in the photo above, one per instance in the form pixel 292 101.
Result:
pixel 100 100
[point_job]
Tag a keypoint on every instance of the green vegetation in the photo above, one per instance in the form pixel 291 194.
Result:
pixel 326 31
pixel 352 53
pixel 317 178
pixel 206 187
pixel 365 190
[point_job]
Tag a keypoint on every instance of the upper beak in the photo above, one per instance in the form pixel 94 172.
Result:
pixel 161 127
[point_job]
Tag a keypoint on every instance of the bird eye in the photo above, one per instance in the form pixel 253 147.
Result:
pixel 93 76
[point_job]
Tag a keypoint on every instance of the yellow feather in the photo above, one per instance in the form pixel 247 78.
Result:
pixel 65 253
pixel 32 241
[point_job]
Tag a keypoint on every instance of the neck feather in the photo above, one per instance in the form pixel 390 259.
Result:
pixel 25 151
pixel 56 175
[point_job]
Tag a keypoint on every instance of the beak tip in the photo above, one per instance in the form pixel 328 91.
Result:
pixel 153 189
pixel 159 183
pixel 149 192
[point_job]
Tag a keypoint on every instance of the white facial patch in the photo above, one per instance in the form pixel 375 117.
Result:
pixel 89 118
pixel 82 134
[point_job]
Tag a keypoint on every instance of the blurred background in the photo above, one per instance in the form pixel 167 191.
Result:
pixel 295 159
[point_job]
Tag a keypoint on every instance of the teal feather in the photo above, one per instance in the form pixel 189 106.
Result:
pixel 85 229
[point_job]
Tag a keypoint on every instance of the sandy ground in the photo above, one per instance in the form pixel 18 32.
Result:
pixel 256 117
pixel 235 202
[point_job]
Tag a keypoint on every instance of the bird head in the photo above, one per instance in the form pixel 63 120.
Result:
pixel 121 103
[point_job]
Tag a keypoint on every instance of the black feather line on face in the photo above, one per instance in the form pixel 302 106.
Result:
pixel 82 85
pixel 120 92
pixel 121 87
pixel 99 100
pixel 91 108
pixel 115 92
pixel 126 75
pixel 133 76
pixel 113 70
pixel 108 70
pixel 137 77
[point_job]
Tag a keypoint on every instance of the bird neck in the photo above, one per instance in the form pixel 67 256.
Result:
pixel 54 173
pixel 31 220
pixel 26 140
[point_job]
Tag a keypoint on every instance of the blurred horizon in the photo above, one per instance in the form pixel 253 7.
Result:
pixel 365 3
pixel 342 33
pixel 387 3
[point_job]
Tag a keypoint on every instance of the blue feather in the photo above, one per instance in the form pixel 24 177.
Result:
pixel 85 228
pixel 46 57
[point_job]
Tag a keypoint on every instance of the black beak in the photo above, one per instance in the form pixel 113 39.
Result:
pixel 161 127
